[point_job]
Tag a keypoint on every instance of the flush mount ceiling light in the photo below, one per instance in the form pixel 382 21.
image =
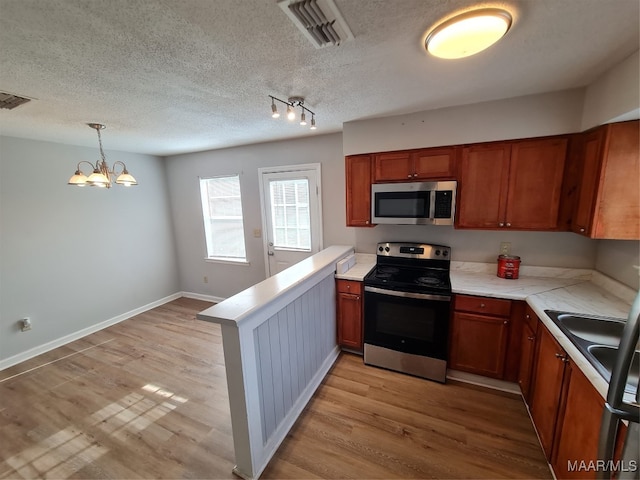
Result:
pixel 292 103
pixel 102 175
pixel 469 33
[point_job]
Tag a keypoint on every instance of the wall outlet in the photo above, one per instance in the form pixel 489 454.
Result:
pixel 25 324
pixel 205 279
pixel 257 233
pixel 505 248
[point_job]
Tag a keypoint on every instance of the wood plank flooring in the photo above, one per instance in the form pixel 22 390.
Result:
pixel 147 398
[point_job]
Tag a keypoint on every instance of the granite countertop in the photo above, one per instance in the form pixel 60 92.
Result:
pixel 543 288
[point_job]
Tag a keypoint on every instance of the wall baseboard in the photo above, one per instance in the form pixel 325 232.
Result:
pixel 40 349
pixel 200 296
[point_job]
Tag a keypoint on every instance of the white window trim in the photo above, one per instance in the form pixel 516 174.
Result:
pixel 224 260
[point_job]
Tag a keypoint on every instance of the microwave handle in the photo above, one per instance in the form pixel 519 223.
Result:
pixel 432 204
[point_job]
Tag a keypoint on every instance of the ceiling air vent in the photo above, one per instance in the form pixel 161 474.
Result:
pixel 319 20
pixel 10 101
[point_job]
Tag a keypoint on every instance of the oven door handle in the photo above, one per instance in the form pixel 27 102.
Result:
pixel 421 296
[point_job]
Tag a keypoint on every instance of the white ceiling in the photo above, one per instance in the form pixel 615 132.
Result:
pixel 172 76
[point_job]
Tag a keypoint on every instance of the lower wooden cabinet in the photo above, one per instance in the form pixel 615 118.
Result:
pixel 350 314
pixel 479 335
pixel 527 352
pixel 578 428
pixel 548 376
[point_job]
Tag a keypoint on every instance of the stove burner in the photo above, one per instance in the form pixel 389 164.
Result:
pixel 427 281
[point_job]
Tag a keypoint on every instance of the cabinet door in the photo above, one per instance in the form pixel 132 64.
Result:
pixel 589 178
pixel 535 184
pixel 482 188
pixel 350 321
pixel 547 387
pixel 434 163
pixel 578 428
pixel 528 342
pixel 358 183
pixel 392 166
pixel 478 344
pixel 617 213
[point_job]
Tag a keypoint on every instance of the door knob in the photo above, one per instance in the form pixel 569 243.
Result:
pixel 271 254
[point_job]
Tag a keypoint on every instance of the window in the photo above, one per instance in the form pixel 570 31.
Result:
pixel 222 214
pixel 290 214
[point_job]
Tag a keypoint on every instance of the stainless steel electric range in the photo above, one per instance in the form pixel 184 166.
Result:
pixel 407 299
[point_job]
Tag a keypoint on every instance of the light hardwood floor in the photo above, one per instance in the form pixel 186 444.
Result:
pixel 147 398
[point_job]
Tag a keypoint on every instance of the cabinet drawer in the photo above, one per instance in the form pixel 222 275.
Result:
pixel 349 286
pixel 483 305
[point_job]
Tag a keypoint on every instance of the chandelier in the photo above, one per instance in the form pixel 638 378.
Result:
pixel 292 103
pixel 102 175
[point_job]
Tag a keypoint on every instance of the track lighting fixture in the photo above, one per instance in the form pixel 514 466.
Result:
pixel 292 103
pixel 102 175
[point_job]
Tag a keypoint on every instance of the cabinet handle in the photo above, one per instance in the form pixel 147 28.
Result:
pixel 409 176
pixel 482 305
pixel 508 224
pixel 501 224
pixel 348 287
pixel 531 338
pixel 367 222
pixel 505 322
pixel 527 316
pixel 582 230
pixel 415 174
pixel 562 357
pixel 358 297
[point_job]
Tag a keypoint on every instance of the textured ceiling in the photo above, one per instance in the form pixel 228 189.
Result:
pixel 172 76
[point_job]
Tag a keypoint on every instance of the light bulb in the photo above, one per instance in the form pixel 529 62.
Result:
pixel 274 110
pixel 303 120
pixel 313 123
pixel 291 115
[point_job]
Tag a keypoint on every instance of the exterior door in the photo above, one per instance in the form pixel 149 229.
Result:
pixel 291 214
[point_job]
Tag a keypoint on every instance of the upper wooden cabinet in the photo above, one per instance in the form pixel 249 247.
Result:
pixel 414 165
pixel 515 185
pixel 608 201
pixel 358 182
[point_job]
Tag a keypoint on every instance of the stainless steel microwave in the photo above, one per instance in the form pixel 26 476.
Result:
pixel 413 203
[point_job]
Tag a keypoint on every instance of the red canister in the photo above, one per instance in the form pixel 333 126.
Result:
pixel 508 266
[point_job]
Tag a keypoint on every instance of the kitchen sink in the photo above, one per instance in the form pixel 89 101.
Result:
pixel 606 331
pixel 597 338
pixel 607 357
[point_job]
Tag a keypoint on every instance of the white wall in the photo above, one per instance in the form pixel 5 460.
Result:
pixel 522 117
pixel 615 96
pixel 71 258
pixel 183 171
pixel 620 259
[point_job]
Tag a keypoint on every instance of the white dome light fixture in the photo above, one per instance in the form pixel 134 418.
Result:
pixel 468 33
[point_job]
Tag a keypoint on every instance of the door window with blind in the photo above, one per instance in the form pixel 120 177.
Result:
pixel 222 215
pixel 290 214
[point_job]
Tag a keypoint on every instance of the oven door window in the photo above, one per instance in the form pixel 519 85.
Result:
pixel 402 204
pixel 407 324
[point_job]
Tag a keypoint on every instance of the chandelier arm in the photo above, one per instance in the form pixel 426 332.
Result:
pixel 113 169
pixel 93 167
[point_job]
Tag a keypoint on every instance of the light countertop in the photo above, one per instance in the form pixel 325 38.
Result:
pixel 364 263
pixel 543 288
